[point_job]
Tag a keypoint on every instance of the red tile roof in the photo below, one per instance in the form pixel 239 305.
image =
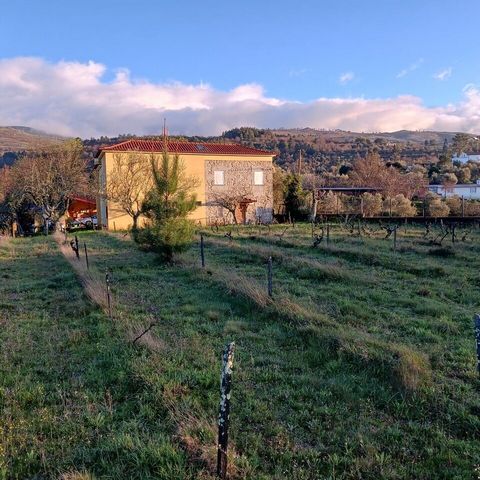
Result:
pixel 184 147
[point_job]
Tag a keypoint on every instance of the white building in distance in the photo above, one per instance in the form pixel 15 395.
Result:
pixel 469 191
pixel 466 157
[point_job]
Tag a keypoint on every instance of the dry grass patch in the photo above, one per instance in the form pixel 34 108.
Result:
pixel 77 476
pixel 302 266
pixel 413 370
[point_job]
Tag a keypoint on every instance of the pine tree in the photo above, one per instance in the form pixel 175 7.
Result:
pixel 166 207
pixel 294 195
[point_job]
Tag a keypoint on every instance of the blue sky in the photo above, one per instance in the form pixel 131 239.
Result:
pixel 296 51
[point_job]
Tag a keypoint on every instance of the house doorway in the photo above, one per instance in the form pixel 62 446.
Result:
pixel 241 210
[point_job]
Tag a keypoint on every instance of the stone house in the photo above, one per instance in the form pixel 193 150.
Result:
pixel 231 180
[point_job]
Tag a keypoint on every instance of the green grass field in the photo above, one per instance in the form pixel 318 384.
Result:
pixel 362 366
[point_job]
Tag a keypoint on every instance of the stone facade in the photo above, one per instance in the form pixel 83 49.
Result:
pixel 239 183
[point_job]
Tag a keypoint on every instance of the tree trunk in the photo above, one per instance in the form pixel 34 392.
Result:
pixel 234 215
pixel 135 222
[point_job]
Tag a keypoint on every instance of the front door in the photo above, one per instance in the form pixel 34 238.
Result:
pixel 243 212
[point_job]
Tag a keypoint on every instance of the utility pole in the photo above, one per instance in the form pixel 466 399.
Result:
pixel 300 162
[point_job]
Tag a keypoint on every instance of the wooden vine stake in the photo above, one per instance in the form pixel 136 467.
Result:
pixel 202 251
pixel 270 277
pixel 328 234
pixel 86 255
pixel 224 413
pixel 77 253
pixel 109 300
pixel 477 339
pixel 395 239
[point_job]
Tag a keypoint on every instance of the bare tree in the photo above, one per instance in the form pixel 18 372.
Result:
pixel 311 183
pixel 231 199
pixel 239 191
pixel 49 177
pixel 128 181
pixel 372 172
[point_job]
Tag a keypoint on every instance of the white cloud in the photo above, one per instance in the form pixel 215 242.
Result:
pixel 444 74
pixel 411 68
pixel 346 77
pixel 72 98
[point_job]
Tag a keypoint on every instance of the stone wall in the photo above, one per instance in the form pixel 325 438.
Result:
pixel 238 183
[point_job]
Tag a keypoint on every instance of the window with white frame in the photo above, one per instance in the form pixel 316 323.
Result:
pixel 219 177
pixel 258 177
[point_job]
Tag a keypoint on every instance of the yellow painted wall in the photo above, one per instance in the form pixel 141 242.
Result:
pixel 194 166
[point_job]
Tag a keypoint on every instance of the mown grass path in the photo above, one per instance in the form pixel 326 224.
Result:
pixel 71 404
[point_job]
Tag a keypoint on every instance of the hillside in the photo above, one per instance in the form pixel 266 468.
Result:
pixel 16 139
pixel 321 150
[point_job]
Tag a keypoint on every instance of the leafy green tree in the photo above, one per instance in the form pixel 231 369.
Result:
pixel 372 204
pixel 464 175
pixel 294 195
pixel 444 162
pixel 166 206
pixel 436 207
pixel 454 203
pixel 449 179
pixel 279 182
pixel 331 203
pixel 400 206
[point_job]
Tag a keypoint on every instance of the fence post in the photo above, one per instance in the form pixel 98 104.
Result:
pixel 477 338
pixel 109 302
pixel 270 277
pixel 86 255
pixel 114 227
pixel 224 412
pixel 77 253
pixel 328 234
pixel 202 251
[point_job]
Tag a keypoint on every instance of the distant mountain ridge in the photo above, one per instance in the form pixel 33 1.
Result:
pixel 319 149
pixel 414 136
pixel 17 139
